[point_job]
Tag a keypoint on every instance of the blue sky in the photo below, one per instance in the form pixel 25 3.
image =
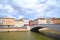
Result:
pixel 30 9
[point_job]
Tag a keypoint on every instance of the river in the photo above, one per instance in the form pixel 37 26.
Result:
pixel 22 36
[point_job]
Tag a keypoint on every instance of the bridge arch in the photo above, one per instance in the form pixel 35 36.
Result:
pixel 36 29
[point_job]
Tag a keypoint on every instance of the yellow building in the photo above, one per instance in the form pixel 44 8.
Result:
pixel 8 21
pixel 19 23
pixel 40 21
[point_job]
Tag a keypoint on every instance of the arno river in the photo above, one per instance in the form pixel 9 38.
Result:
pixel 30 35
pixel 22 36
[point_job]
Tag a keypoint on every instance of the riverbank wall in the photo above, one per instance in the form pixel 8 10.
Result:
pixel 13 30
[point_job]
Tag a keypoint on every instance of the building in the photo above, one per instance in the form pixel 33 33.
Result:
pixel 19 23
pixel 26 21
pixel 48 20
pixel 0 21
pixel 40 21
pixel 55 21
pixel 8 22
pixel 31 23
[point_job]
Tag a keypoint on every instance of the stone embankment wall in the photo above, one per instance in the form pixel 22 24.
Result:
pixel 13 30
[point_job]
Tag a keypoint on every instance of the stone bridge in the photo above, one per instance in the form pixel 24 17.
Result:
pixel 50 26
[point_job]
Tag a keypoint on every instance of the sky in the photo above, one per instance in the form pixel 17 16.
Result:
pixel 30 9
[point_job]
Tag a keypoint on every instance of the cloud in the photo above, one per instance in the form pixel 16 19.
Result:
pixel 34 5
pixel 1 6
pixel 8 12
pixel 20 16
pixel 39 8
pixel 4 1
pixel 30 8
pixel 25 3
pixel 8 8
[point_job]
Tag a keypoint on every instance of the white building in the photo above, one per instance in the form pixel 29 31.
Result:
pixel 19 23
pixel 41 21
pixel 26 21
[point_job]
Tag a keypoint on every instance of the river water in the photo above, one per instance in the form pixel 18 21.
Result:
pixel 22 36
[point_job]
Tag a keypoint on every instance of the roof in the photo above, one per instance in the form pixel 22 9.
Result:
pixel 24 19
pixel 40 18
pixel 55 18
pixel 8 18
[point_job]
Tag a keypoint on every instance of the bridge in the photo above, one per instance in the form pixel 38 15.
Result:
pixel 49 26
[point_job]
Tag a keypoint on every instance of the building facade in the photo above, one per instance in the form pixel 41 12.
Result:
pixel 0 21
pixel 19 23
pixel 40 21
pixel 55 21
pixel 48 20
pixel 8 21
pixel 26 21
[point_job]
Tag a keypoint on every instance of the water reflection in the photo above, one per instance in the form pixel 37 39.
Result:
pixel 51 35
